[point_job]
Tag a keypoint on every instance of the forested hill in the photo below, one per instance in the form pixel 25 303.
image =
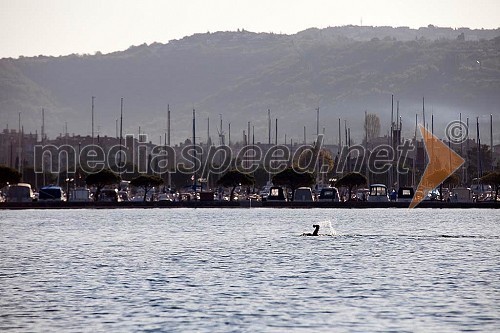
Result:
pixel 240 75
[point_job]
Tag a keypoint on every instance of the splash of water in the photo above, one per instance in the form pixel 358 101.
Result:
pixel 329 227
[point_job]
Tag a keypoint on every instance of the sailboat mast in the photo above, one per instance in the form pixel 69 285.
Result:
pixel 467 152
pixel 396 143
pixel 462 180
pixel 340 137
pixel 194 152
pixel 423 110
pixel 169 175
pixel 366 147
pixel 392 119
pixel 121 129
pixel 269 124
pixel 423 116
pixel 43 142
pixel 93 120
pixel 19 155
pixel 391 136
pixel 276 134
pixel 415 153
pixel 253 135
pixel 461 141
pixel 317 121
pixel 221 133
pixel 491 142
pixel 478 137
pixel 168 125
pixel 43 126
pixel 366 130
pixel 397 114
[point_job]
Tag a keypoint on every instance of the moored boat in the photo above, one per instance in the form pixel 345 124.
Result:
pixel 378 193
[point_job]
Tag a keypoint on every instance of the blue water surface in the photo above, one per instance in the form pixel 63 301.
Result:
pixel 249 270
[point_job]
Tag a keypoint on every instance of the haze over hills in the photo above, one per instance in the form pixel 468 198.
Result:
pixel 240 75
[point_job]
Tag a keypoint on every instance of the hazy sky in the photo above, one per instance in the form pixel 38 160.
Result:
pixel 59 27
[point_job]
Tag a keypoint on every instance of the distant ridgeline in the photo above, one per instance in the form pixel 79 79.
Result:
pixel 240 75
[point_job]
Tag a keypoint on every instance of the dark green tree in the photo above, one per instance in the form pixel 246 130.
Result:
pixel 493 179
pixel 131 172
pixel 8 175
pixel 100 179
pixel 181 178
pixel 325 162
pixel 351 180
pixel 234 178
pixel 261 177
pixel 146 182
pixel 293 179
pixel 484 158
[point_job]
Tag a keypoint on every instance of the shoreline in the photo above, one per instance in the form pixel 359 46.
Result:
pixel 242 204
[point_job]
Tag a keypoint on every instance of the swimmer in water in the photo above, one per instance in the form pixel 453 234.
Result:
pixel 314 233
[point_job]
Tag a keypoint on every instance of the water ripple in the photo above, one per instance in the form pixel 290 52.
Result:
pixel 239 270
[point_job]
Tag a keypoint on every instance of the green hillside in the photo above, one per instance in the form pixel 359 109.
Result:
pixel 240 75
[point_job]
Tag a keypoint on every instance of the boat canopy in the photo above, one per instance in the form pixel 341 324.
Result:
pixel 378 190
pixel 406 192
pixel 51 193
pixel 276 193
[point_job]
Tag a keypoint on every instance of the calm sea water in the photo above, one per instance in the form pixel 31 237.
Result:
pixel 217 270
